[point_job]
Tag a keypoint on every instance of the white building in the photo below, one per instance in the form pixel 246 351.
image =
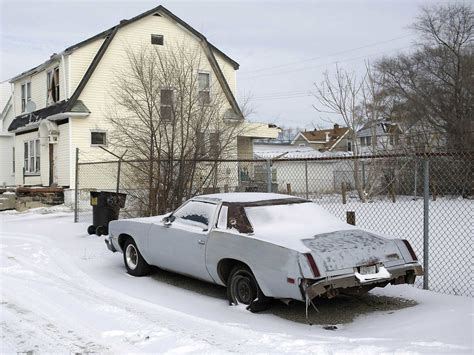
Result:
pixel 7 151
pixel 60 105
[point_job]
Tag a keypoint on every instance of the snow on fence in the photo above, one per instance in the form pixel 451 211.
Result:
pixel 424 198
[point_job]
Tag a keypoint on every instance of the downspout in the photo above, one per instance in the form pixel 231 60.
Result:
pixel 65 77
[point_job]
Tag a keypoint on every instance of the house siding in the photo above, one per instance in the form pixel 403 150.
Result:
pixel 97 93
pixel 62 157
pixel 39 89
pixel 7 177
pixel 19 159
pixel 79 61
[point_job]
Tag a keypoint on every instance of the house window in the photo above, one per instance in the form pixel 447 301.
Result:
pixel 98 138
pixel 25 95
pixel 166 105
pixel 214 146
pixel 349 146
pixel 52 81
pixel 204 88
pixel 32 156
pixel 201 144
pixel 157 39
pixel 301 145
pixel 365 141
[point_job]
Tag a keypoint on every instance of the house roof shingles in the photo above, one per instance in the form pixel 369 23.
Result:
pixel 319 136
pixel 34 117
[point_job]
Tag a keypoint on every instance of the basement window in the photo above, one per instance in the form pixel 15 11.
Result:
pixel 98 138
pixel 157 39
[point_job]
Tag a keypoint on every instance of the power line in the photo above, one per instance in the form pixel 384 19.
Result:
pixel 328 55
pixel 325 64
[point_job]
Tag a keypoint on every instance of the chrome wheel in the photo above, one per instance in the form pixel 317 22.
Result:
pixel 131 256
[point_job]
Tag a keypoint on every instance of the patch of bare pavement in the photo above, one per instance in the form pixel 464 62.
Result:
pixel 331 312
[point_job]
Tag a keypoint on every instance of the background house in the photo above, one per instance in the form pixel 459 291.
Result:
pixel 7 152
pixel 61 104
pixel 379 136
pixel 335 139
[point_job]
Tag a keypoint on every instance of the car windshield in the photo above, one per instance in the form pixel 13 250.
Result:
pixel 292 218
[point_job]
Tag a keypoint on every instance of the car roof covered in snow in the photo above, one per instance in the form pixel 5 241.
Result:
pixel 245 197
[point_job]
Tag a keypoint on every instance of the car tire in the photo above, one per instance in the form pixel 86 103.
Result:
pixel 242 288
pixel 133 260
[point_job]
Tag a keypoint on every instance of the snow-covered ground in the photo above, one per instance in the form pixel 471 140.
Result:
pixel 63 291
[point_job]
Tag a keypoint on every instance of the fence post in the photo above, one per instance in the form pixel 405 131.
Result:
pixel 306 178
pixel 76 189
pixel 343 192
pixel 269 175
pixel 426 201
pixel 119 167
pixel 363 174
pixel 351 217
pixel 416 179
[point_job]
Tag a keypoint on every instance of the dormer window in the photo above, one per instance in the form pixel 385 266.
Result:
pixel 25 95
pixel 52 79
pixel 157 40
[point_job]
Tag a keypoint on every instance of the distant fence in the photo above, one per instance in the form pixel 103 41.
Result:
pixel 424 198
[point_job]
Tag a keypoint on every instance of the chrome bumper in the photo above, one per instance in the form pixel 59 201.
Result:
pixel 398 275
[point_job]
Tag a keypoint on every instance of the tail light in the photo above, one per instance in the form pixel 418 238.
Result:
pixel 313 265
pixel 410 250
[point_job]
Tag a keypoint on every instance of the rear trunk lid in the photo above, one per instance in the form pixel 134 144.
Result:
pixel 352 248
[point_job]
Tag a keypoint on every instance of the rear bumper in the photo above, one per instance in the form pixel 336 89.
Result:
pixel 109 244
pixel 398 275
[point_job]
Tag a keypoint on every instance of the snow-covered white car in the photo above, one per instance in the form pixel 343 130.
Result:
pixel 263 246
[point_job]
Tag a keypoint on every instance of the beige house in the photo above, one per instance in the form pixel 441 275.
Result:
pixel 335 139
pixel 60 105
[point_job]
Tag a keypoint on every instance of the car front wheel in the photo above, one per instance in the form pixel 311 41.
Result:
pixel 133 260
pixel 242 288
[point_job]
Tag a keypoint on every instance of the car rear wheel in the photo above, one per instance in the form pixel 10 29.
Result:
pixel 133 260
pixel 242 288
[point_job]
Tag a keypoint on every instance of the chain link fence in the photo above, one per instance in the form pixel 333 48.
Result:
pixel 426 199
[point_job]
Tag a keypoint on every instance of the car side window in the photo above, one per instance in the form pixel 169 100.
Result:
pixel 222 220
pixel 195 213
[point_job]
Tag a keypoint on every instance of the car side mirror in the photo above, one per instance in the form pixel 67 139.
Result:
pixel 168 220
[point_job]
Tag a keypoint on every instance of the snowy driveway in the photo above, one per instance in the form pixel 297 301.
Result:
pixel 63 291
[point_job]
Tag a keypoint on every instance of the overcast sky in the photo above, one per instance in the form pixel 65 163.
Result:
pixel 294 42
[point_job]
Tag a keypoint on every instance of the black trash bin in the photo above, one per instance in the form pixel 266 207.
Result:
pixel 106 206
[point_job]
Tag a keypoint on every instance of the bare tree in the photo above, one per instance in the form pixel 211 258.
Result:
pixel 341 94
pixel 170 116
pixel 433 87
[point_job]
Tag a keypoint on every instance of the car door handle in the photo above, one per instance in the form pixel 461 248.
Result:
pixel 202 242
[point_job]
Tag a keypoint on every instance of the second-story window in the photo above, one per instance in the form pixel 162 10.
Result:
pixel 25 95
pixel 204 86
pixel 166 105
pixel 52 79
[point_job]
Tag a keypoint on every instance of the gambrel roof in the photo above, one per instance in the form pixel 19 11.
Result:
pixel 109 34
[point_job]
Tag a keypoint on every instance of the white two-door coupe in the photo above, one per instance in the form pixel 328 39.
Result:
pixel 263 246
